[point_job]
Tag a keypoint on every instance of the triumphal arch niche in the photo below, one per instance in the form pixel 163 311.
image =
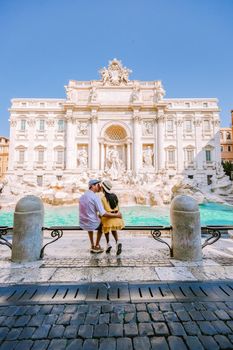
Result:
pixel 114 127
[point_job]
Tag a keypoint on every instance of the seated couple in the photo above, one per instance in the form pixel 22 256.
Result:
pixel 101 214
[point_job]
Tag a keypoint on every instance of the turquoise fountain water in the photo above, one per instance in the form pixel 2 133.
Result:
pixel 211 214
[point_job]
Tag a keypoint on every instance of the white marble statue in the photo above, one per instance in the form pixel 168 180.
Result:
pixel 82 157
pixel 147 157
pixel 114 165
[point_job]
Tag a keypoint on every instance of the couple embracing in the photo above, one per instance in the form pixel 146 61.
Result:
pixel 101 214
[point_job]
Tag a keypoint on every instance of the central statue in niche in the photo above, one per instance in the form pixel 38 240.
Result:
pixel 114 166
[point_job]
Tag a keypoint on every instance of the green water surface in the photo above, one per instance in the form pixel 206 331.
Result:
pixel 211 214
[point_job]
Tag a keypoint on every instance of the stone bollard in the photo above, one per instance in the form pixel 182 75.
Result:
pixel 27 232
pixel 186 229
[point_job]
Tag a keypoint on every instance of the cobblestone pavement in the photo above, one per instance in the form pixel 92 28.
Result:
pixel 115 326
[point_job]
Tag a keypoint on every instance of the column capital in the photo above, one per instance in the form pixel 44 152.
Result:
pixel 197 122
pixel 136 116
pixel 94 116
pixel 179 122
pixel 161 118
pixel 31 122
pixel 13 122
pixel 50 122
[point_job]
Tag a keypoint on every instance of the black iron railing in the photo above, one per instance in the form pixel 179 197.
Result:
pixel 56 232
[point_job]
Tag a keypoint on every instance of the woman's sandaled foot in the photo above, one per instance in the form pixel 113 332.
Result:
pixel 119 248
pixel 108 249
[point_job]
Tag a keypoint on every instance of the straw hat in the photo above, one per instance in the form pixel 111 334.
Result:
pixel 107 186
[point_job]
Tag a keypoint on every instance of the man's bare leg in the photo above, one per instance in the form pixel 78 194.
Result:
pixel 99 235
pixel 90 233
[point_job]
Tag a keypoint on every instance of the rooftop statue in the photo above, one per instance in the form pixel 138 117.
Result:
pixel 115 74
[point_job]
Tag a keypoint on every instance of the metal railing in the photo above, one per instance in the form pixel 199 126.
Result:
pixel 56 232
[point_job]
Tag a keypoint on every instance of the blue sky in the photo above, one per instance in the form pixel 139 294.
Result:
pixel 188 44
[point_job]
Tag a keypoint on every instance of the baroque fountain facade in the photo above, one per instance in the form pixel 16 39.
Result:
pixel 151 147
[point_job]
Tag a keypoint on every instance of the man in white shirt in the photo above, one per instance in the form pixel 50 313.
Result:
pixel 90 211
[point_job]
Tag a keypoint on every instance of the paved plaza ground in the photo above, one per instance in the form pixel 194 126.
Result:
pixel 142 299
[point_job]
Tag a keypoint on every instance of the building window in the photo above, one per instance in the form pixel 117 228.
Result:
pixel 221 135
pixel 23 125
pixel 190 155
pixel 41 125
pixel 40 156
pixel 229 148
pixel 60 125
pixel 228 136
pixel 209 179
pixel 190 177
pixel 188 125
pixel 171 156
pixel 208 155
pixel 60 156
pixel 205 104
pixel 222 149
pixel 187 104
pixel 21 156
pixel 40 180
pixel 59 177
pixel 169 125
pixel 206 125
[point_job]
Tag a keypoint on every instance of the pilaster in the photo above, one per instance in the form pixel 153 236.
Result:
pixel 137 151
pixel 70 141
pixel 94 141
pixel 160 140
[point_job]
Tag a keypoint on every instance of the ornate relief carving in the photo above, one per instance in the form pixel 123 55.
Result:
pixel 93 94
pixel 50 122
pixel 197 122
pixel 115 74
pixel 82 128
pixel 31 122
pixel 179 122
pixel 13 122
pixel 147 128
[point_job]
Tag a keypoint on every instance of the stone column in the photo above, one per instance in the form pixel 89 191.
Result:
pixel 198 140
pixel 31 142
pixel 94 141
pixel 186 229
pixel 155 145
pixel 12 152
pixel 50 123
pixel 160 141
pixel 137 150
pixel 102 156
pixel 128 156
pixel 70 142
pixel 216 132
pixel 179 146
